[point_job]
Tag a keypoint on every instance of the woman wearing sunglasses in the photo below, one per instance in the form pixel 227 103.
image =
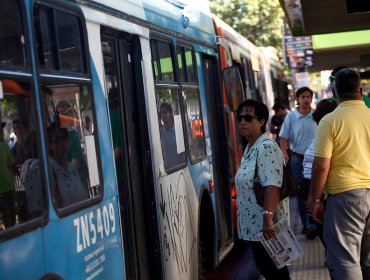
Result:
pixel 263 152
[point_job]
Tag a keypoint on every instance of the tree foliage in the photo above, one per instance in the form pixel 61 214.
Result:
pixel 261 21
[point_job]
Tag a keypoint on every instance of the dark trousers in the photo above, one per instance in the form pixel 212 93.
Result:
pixel 7 209
pixel 265 265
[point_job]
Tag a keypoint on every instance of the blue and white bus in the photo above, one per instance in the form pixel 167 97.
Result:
pixel 113 159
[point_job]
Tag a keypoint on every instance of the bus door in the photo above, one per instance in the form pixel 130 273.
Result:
pixel 129 128
pixel 221 173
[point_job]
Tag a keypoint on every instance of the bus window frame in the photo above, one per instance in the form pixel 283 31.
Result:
pixel 246 67
pixel 180 44
pixel 27 47
pixel 176 84
pixel 27 74
pixel 58 77
pixel 73 10
pixel 43 219
pixel 238 82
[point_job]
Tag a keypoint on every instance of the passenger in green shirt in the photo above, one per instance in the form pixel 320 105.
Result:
pixel 6 183
pixel 366 99
pixel 76 157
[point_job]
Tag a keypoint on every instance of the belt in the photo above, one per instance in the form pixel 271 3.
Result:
pixel 297 155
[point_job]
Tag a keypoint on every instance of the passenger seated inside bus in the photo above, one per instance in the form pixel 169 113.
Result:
pixel 67 187
pixel 69 119
pixel 23 149
pixel 168 137
pixel 6 183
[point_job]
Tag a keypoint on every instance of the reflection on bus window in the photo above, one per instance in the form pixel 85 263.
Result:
pixel 191 101
pixel 170 127
pixel 63 50
pixel 12 40
pixel 18 149
pixel 69 188
pixel 168 105
pixel 69 106
pixel 112 82
pixel 194 125
pixel 162 61
pixel 185 58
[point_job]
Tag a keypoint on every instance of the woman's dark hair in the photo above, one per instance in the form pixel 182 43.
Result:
pixel 302 90
pixel 166 108
pixel 260 110
pixel 55 133
pixel 323 108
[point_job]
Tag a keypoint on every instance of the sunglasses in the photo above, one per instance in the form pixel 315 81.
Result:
pixel 247 118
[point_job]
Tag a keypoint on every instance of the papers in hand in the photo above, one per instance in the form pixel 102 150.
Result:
pixel 283 248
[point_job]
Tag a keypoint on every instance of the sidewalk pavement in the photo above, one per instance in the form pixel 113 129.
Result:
pixel 310 266
pixel 239 264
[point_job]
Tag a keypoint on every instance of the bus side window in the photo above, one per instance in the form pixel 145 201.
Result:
pixel 168 105
pixel 12 40
pixel 21 199
pixel 192 108
pixel 71 146
pixel 64 51
pixel 70 138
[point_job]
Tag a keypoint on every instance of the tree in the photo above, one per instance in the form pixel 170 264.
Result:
pixel 261 21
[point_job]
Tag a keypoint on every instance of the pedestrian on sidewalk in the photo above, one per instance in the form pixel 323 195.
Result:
pixel 253 219
pixel 296 134
pixel 323 108
pixel 281 111
pixel 341 166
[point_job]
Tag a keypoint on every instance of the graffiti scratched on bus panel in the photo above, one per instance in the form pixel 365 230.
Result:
pixel 178 228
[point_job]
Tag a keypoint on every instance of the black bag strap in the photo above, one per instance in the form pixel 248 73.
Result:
pixel 256 168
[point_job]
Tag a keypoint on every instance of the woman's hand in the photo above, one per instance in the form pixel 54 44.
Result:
pixel 268 228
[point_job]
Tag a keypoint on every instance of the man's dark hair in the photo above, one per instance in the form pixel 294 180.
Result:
pixel 323 108
pixel 347 83
pixel 302 90
pixel 278 105
pixel 260 110
pixel 334 72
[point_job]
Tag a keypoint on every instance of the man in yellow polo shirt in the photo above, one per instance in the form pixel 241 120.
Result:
pixel 342 167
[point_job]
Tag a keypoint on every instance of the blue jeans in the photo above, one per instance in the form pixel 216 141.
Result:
pixel 347 234
pixel 296 169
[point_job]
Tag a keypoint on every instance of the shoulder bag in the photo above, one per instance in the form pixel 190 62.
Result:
pixel 288 186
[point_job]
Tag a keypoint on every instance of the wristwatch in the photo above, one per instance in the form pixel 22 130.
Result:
pixel 265 212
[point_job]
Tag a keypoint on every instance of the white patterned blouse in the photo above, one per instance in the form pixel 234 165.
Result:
pixel 270 172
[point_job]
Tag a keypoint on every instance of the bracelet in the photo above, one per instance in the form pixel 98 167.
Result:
pixel 317 200
pixel 265 212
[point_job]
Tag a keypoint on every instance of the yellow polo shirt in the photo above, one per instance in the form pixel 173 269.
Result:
pixel 344 137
